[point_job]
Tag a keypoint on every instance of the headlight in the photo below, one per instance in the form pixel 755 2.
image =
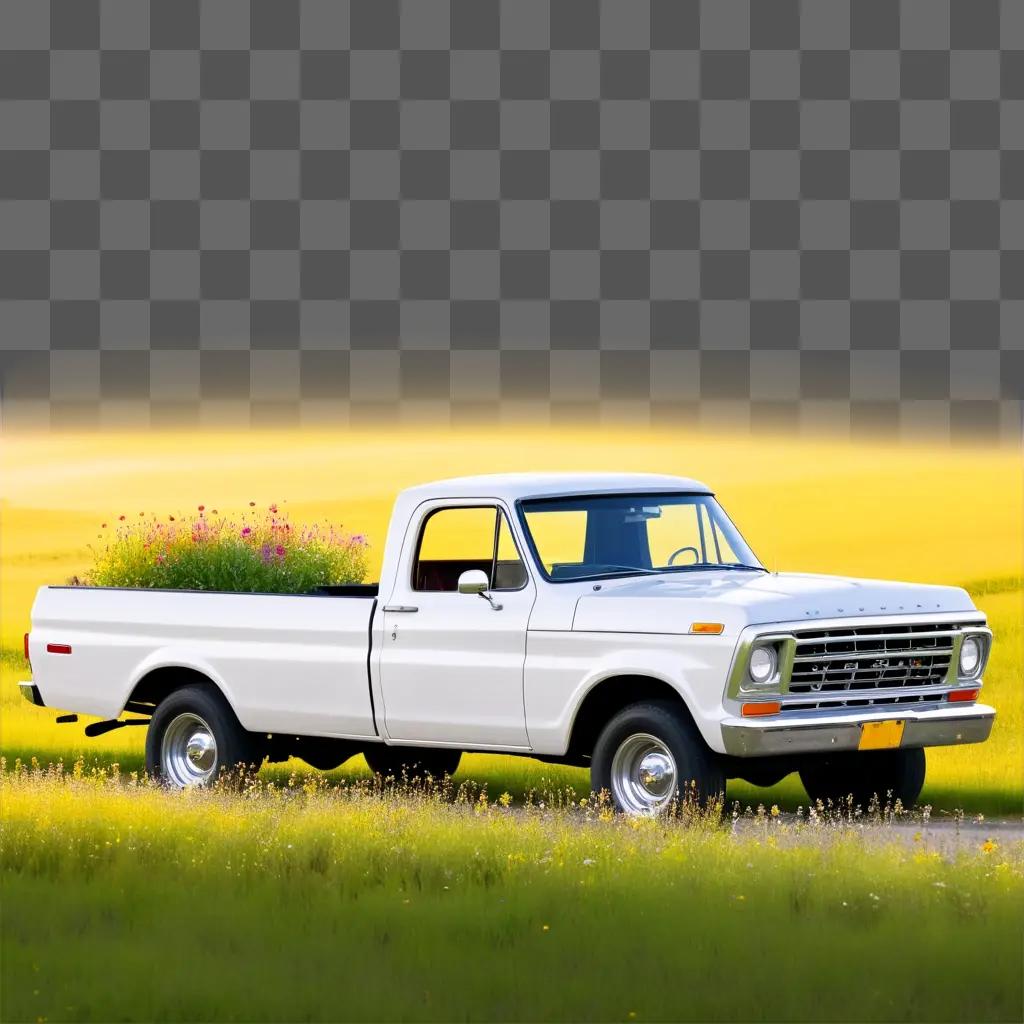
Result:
pixel 763 664
pixel 970 657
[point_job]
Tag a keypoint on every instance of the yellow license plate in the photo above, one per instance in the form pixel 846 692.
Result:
pixel 881 735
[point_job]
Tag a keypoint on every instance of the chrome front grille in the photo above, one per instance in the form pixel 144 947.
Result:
pixel 879 700
pixel 867 666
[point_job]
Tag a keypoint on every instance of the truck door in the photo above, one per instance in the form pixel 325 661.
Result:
pixel 451 665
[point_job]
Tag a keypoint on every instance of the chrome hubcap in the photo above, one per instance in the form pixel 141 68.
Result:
pixel 643 775
pixel 188 754
pixel 201 751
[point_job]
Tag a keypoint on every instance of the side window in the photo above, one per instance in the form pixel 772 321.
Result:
pixel 456 539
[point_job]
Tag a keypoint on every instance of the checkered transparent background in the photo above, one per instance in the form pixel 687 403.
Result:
pixel 761 213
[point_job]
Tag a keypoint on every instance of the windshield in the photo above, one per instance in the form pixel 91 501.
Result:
pixel 621 534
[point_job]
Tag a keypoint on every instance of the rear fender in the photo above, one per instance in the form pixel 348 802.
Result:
pixel 181 657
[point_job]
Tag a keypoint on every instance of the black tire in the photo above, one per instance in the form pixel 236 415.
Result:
pixel 889 775
pixel 412 762
pixel 698 772
pixel 190 706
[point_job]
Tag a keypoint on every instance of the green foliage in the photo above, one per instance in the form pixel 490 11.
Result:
pixel 309 902
pixel 259 552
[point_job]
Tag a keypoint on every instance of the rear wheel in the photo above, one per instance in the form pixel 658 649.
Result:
pixel 194 736
pixel 412 762
pixel 650 755
pixel 890 775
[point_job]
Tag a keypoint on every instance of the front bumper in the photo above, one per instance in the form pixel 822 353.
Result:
pixel 820 732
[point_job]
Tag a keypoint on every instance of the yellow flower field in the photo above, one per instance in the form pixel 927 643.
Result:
pixel 511 895
pixel 932 515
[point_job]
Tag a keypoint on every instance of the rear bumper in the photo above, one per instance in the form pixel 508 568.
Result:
pixel 819 733
pixel 31 693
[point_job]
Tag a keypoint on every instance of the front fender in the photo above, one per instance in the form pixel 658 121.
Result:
pixel 563 668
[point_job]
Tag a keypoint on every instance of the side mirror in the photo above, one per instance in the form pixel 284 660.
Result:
pixel 473 581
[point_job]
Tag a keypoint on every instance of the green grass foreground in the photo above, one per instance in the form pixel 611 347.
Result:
pixel 316 902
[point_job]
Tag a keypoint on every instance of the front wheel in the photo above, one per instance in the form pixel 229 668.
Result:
pixel 889 775
pixel 193 737
pixel 651 754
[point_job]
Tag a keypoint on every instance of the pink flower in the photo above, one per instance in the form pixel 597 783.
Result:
pixel 246 531
pixel 279 550
pixel 273 508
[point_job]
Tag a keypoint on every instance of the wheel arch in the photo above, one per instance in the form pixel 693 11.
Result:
pixel 165 672
pixel 607 697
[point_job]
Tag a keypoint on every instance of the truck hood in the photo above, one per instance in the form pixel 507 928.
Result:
pixel 670 603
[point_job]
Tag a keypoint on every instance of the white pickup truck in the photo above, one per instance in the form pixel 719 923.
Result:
pixel 618 622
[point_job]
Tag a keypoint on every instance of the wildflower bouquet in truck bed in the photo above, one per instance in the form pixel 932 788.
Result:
pixel 257 552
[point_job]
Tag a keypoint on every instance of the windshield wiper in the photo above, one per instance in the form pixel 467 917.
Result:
pixel 636 570
pixel 714 565
pixel 615 570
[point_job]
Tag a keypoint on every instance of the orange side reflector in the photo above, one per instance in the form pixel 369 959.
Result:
pixel 708 627
pixel 761 707
pixel 961 696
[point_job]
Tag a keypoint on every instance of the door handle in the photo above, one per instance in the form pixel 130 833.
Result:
pixel 400 608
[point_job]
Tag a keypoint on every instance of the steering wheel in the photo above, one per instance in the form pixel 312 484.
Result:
pixel 675 554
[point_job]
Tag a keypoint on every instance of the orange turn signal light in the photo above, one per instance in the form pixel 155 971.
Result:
pixel 759 708
pixel 708 627
pixel 963 696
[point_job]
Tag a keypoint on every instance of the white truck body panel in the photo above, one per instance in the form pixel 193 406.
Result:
pixel 285 663
pixel 562 667
pixel 452 672
pixel 443 668
pixel 668 604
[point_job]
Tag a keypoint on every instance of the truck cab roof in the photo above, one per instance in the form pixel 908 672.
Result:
pixel 515 486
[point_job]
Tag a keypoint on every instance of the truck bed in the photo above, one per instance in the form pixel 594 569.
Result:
pixel 287 663
pixel 347 590
pixel 326 590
